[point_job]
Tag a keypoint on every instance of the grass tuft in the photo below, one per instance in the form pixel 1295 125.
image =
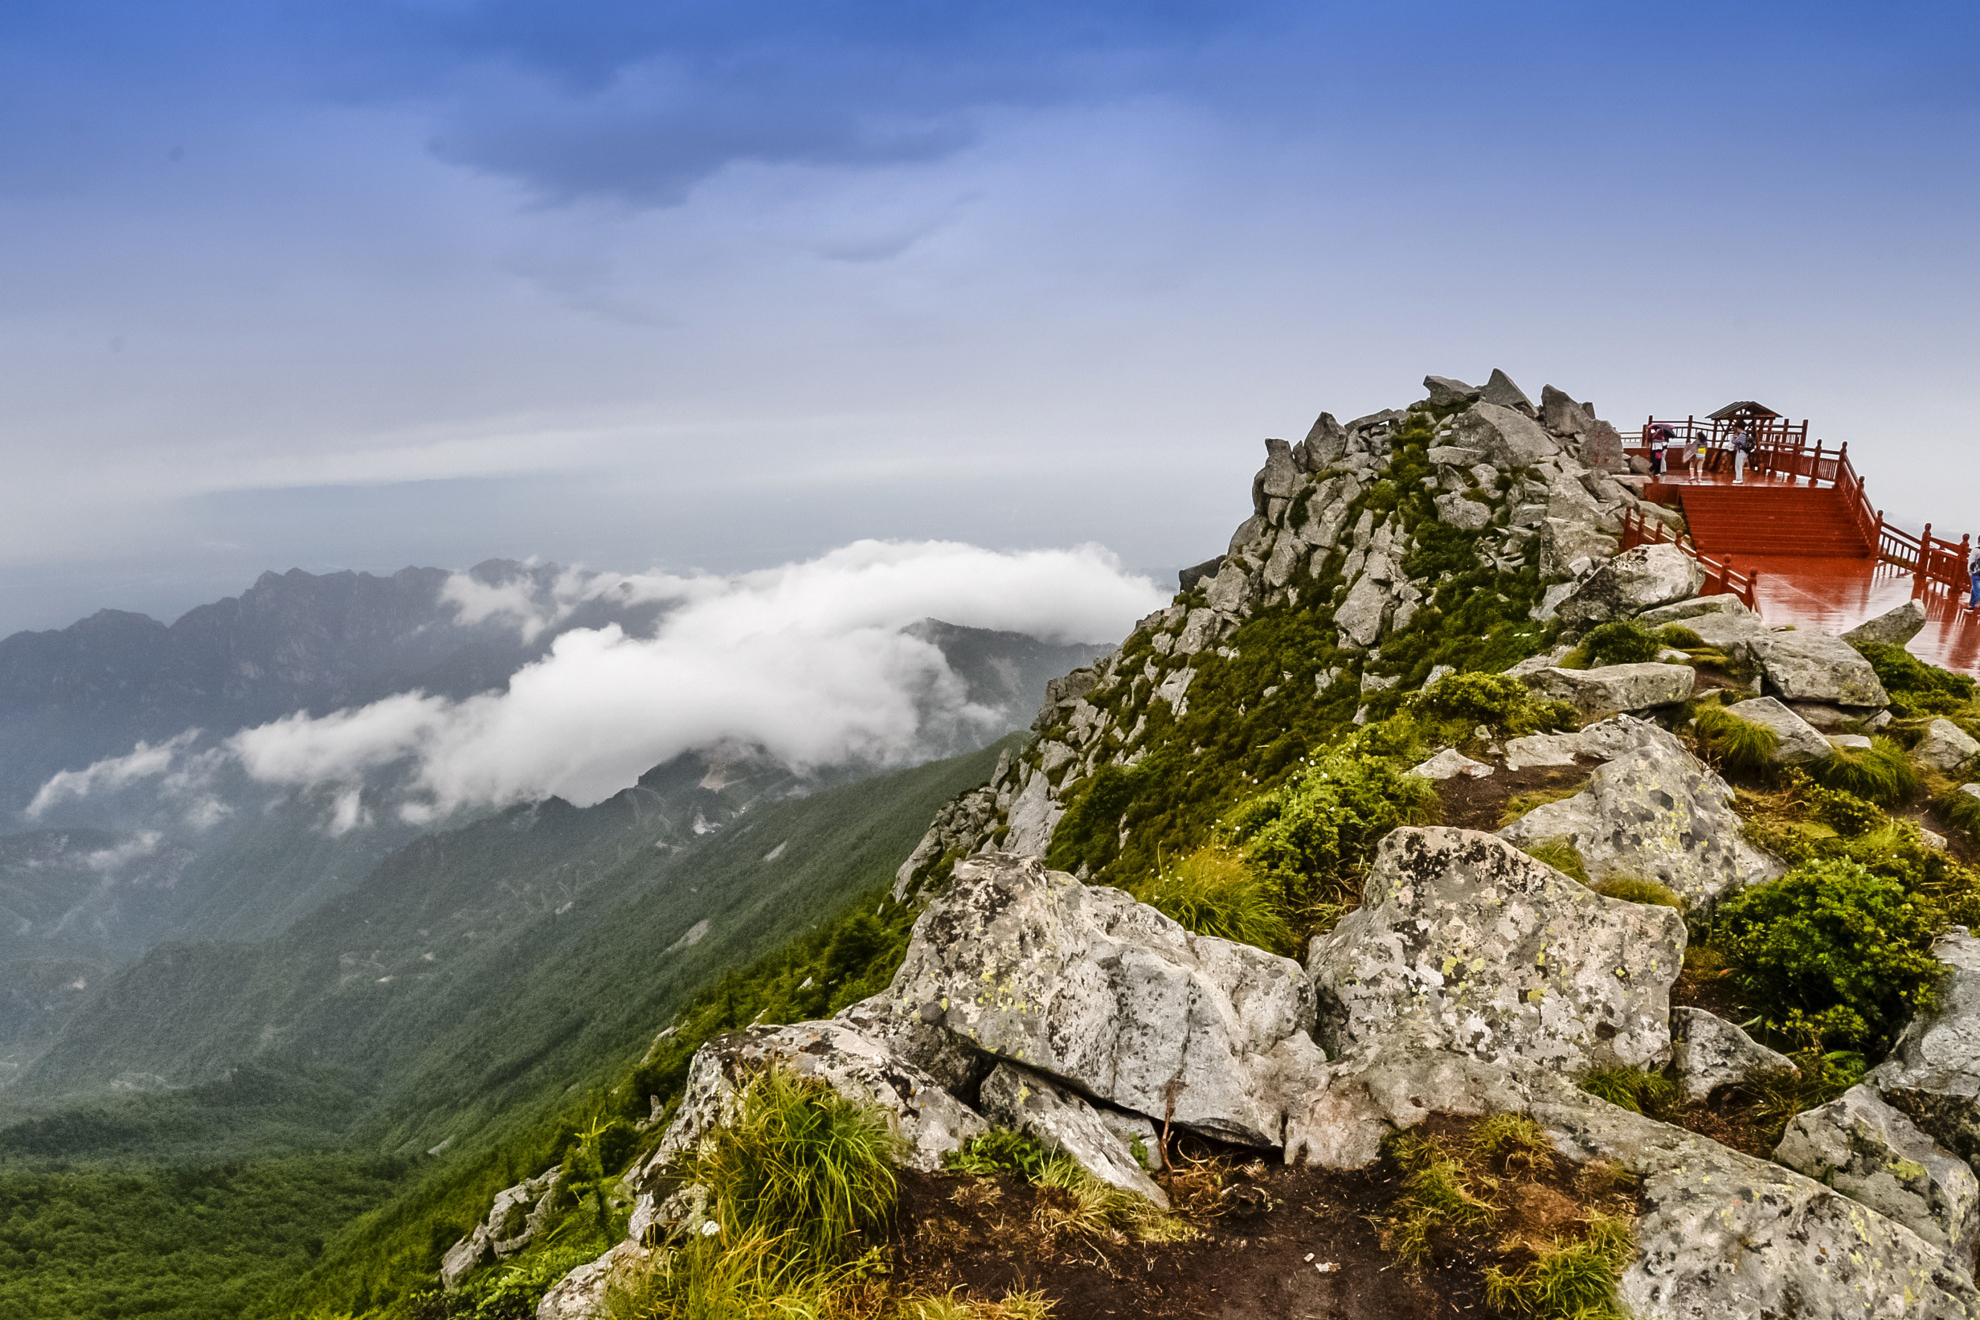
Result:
pixel 1636 1089
pixel 1619 642
pixel 1734 743
pixel 1679 637
pixel 1632 890
pixel 1212 892
pixel 1883 775
pixel 1561 855
pixel 1568 1280
pixel 1515 1140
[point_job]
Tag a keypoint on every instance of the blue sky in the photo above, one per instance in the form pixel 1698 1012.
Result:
pixel 366 283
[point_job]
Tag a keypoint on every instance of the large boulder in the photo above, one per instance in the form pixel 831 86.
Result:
pixel 1708 1052
pixel 1807 665
pixel 1633 581
pixel 1725 1236
pixel 1682 610
pixel 1616 689
pixel 1875 1156
pixel 1934 1073
pixel 1561 414
pixel 1945 747
pixel 1107 995
pixel 1734 634
pixel 1891 628
pixel 1018 1098
pixel 1800 742
pixel 1569 546
pixel 518 1214
pixel 1500 390
pixel 1654 812
pixel 1362 615
pixel 1508 439
pixel 1324 443
pixel 1467 943
pixel 1462 512
pixel 857 1064
pixel 1447 391
pixel 583 1294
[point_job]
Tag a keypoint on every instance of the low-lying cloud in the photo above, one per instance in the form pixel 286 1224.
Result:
pixel 807 661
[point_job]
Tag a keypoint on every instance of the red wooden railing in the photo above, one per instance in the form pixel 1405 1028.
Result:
pixel 1720 575
pixel 1782 450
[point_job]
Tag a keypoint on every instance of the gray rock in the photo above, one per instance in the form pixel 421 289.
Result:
pixel 1891 628
pixel 1567 498
pixel 1616 689
pixel 1361 616
pixel 518 1214
pixel 1451 762
pixel 1561 414
pixel 1230 591
pixel 1708 1052
pixel 1533 664
pixel 1945 746
pixel 1849 742
pixel 1325 443
pixel 1501 391
pixel 1456 456
pixel 1631 582
pixel 1800 741
pixel 853 1063
pixel 1654 812
pixel 1280 477
pixel 1019 1098
pixel 1035 812
pixel 1875 1156
pixel 1807 665
pixel 1602 448
pixel 1733 634
pixel 1827 718
pixel 1445 391
pixel 1289 552
pixel 1464 941
pixel 1933 1074
pixel 1725 1236
pixel 1463 512
pixel 581 1294
pixel 1567 546
pixel 1092 989
pixel 1681 610
pixel 1507 438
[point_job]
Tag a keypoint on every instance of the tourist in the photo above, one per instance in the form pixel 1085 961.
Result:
pixel 1742 445
pixel 1660 439
pixel 1973 577
pixel 1694 454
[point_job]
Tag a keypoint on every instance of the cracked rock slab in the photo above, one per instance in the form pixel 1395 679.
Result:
pixel 1708 1052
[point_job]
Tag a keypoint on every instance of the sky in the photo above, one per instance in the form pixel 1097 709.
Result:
pixel 724 286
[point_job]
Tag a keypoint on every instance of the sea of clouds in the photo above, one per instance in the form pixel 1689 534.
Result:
pixel 806 661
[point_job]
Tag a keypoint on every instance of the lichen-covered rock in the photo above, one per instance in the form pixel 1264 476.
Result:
pixel 1451 762
pixel 1733 634
pixel 1933 1074
pixel 1362 614
pixel 1725 1236
pixel 1708 1052
pixel 1507 438
pixel 1945 746
pixel 1568 546
pixel 1654 812
pixel 1597 742
pixel 1800 741
pixel 1018 1098
pixel 518 1214
pixel 1808 665
pixel 1616 689
pixel 1467 942
pixel 1874 1155
pixel 1631 582
pixel 1091 988
pixel 581 1294
pixel 856 1064
pixel 1698 606
pixel 1891 628
pixel 1462 512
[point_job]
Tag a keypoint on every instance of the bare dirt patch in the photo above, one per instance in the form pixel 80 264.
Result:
pixel 1480 804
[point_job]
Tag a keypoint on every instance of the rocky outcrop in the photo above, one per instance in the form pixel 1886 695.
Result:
pixel 1708 1053
pixel 1933 1074
pixel 1872 1154
pixel 1724 1236
pixel 1682 611
pixel 1800 742
pixel 1446 392
pixel 1633 581
pixel 1451 762
pixel 1096 991
pixel 1891 628
pixel 858 1065
pixel 1945 747
pixel 1654 812
pixel 582 1294
pixel 1807 665
pixel 1464 941
pixel 1018 1098
pixel 1507 438
pixel 1616 689
pixel 517 1216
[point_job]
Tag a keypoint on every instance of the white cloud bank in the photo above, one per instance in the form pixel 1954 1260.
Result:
pixel 806 660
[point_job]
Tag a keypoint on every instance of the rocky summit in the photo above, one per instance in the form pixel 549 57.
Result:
pixel 1435 909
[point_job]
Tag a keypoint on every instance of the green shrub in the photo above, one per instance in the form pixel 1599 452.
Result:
pixel 1679 637
pixel 1963 810
pixel 1560 854
pixel 1843 811
pixel 1832 951
pixel 1636 1089
pixel 1735 743
pixel 1212 892
pixel 1314 836
pixel 1915 687
pixel 1620 642
pixel 1505 705
pixel 1883 774
pixel 800 1164
pixel 999 1150
pixel 1632 890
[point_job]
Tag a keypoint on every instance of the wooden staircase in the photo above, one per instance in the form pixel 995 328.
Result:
pixel 1775 521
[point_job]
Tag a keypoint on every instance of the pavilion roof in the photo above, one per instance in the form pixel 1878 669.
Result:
pixel 1744 408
